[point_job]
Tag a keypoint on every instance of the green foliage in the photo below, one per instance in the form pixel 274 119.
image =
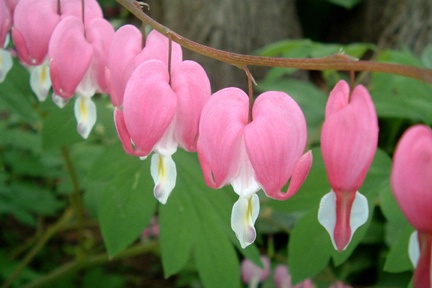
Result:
pixel 124 206
pixel 195 223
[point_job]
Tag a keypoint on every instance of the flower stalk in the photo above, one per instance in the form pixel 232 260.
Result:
pixel 333 62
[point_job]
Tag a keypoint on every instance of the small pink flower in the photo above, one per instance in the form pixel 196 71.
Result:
pixel 252 274
pixel 411 180
pixel 282 279
pixel 161 111
pixel 35 21
pixel 266 152
pixel 349 141
pixel 126 54
pixel 78 62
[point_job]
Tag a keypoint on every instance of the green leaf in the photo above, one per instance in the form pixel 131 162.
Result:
pixel 309 248
pixel 401 97
pixel 398 258
pixel 16 95
pixel 122 190
pixel 347 4
pixel 195 221
pixel 59 127
pixel 426 56
pixel 25 200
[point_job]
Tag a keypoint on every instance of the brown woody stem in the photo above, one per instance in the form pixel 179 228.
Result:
pixel 334 62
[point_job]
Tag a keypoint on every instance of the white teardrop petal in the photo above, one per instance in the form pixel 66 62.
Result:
pixel 164 173
pixel 327 214
pixel 414 248
pixel 85 114
pixel 5 64
pixel 40 80
pixel 244 214
pixel 59 101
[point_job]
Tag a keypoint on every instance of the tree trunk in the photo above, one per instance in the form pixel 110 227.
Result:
pixel 240 26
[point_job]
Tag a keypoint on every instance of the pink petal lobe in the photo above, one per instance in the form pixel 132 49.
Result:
pixel 99 34
pixel 92 9
pixel 31 35
pixel 5 23
pixel 349 138
pixel 220 132
pixel 192 86
pixel 301 170
pixel 71 54
pixel 275 141
pixel 125 45
pixel 411 176
pixel 149 104
pixel 123 133
pixel 157 47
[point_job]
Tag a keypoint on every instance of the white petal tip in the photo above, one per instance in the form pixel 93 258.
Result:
pixel 85 114
pixel 327 218
pixel 5 63
pixel 414 249
pixel 59 101
pixel 244 214
pixel 164 174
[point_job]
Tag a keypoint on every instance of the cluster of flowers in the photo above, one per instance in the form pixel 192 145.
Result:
pixel 162 102
pixel 252 275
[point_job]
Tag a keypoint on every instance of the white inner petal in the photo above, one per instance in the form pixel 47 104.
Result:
pixel 244 214
pixel 164 173
pixel 59 101
pixel 85 114
pixel 414 248
pixel 5 64
pixel 327 214
pixel 244 183
pixel 40 80
pixel 167 144
pixel 87 86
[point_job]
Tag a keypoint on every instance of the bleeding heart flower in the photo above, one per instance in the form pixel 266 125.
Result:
pixel 349 141
pixel 127 53
pixel 34 24
pixel 411 180
pixel 160 112
pixel 282 279
pixel 265 153
pixel 78 63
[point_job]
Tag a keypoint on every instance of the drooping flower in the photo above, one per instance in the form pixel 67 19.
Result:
pixel 5 25
pixel 252 274
pixel 265 153
pixel 127 53
pixel 34 24
pixel 161 111
pixel 411 181
pixel 78 62
pixel 349 141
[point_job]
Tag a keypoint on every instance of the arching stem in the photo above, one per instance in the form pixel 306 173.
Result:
pixel 334 62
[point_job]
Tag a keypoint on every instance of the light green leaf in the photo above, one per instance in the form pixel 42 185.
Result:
pixel 398 258
pixel 122 189
pixel 347 4
pixel 195 221
pixel 16 95
pixel 309 248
